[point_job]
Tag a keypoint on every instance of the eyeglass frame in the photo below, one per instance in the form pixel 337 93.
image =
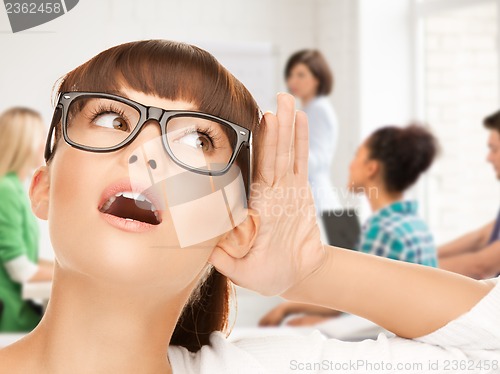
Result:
pixel 147 113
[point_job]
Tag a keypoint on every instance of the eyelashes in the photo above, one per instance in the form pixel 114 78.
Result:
pixel 212 134
pixel 108 109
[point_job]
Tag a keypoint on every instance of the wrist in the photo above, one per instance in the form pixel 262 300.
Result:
pixel 299 291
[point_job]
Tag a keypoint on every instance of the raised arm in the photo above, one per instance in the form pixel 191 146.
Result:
pixel 285 255
pixel 408 299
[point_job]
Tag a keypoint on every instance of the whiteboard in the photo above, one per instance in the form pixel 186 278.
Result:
pixel 255 64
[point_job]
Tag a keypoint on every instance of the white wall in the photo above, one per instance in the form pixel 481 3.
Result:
pixel 386 69
pixel 461 75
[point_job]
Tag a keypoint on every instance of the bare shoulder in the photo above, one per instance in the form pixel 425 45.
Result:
pixel 15 358
pixel 7 358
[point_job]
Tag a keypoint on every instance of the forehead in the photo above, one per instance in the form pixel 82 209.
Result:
pixel 300 67
pixel 152 100
pixel 363 147
pixel 494 138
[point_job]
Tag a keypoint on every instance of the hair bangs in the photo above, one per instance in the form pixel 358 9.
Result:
pixel 170 70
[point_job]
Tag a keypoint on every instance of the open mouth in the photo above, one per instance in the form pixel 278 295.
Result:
pixel 131 206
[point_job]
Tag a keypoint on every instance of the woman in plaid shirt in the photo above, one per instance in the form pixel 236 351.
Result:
pixel 384 167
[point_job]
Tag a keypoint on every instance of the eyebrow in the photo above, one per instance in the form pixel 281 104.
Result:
pixel 123 94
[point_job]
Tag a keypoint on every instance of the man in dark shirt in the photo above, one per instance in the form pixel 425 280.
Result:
pixel 477 253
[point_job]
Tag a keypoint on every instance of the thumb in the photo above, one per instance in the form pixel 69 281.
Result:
pixel 230 251
pixel 223 262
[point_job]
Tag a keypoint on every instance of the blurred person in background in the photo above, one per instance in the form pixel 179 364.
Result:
pixel 22 134
pixel 388 163
pixel 309 79
pixel 385 165
pixel 477 253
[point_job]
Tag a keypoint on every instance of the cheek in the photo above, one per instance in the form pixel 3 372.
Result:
pixel 309 83
pixel 293 85
pixel 85 243
pixel 496 157
pixel 354 167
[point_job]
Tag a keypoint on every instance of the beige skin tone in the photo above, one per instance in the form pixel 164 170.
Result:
pixel 471 254
pixel 302 83
pixel 113 308
pixel 45 267
pixel 365 177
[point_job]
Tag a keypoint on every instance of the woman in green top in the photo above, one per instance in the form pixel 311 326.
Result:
pixel 21 142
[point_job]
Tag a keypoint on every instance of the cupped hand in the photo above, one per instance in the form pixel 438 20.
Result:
pixel 287 246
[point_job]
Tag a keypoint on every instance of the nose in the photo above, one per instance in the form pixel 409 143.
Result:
pixel 152 164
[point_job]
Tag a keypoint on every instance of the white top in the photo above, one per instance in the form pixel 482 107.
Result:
pixel 323 138
pixel 21 269
pixel 468 344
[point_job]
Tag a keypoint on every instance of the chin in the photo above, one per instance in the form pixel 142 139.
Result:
pixel 127 260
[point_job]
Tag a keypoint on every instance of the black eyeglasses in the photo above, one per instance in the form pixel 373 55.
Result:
pixel 198 142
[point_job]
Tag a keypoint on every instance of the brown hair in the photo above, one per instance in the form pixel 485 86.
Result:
pixel 404 153
pixel 318 66
pixel 492 122
pixel 176 71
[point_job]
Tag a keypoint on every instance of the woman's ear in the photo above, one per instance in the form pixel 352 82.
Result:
pixel 39 192
pixel 237 242
pixel 373 167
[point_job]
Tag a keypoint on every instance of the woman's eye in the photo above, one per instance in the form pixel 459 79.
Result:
pixel 195 140
pixel 111 121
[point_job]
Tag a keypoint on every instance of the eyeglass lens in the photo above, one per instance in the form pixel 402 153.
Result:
pixel 197 142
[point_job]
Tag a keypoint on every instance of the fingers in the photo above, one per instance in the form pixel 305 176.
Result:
pixel 286 124
pixel 268 320
pixel 275 155
pixel 273 318
pixel 265 153
pixel 301 144
pixel 306 320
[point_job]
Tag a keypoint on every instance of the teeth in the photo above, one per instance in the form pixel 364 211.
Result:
pixel 130 195
pixel 108 203
pixel 133 195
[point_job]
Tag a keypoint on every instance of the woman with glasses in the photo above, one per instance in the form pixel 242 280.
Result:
pixel 21 142
pixel 146 197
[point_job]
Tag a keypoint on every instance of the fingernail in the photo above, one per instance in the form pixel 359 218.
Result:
pixel 268 111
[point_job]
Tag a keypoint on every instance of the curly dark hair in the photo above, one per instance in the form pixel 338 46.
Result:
pixel 404 152
pixel 492 122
